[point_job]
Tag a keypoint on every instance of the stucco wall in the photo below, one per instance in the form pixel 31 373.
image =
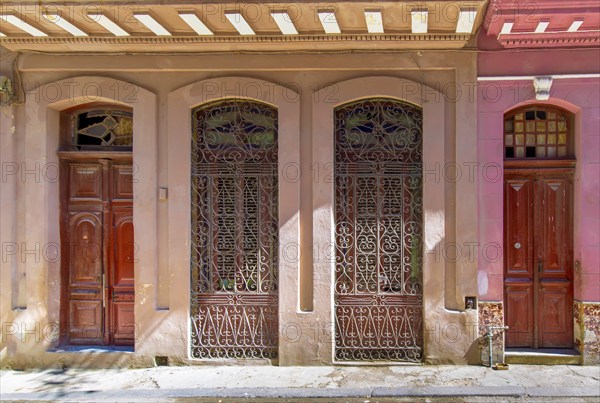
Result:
pixel 305 89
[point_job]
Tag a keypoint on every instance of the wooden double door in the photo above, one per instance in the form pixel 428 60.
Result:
pixel 98 250
pixel 538 268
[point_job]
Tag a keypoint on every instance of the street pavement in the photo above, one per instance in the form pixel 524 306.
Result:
pixel 372 384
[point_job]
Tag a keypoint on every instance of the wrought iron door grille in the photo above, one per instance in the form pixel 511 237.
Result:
pixel 234 231
pixel 378 231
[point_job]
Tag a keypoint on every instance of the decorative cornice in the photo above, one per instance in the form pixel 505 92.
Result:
pixel 550 39
pixel 266 43
pixel 184 24
pixel 525 7
pixel 131 40
pixel 519 23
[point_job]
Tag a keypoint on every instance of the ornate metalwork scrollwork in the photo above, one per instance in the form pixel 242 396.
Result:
pixel 235 131
pixel 378 231
pixel 234 230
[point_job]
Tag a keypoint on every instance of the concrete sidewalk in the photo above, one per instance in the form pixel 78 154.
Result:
pixel 471 383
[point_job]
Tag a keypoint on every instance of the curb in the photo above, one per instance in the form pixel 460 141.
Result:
pixel 467 391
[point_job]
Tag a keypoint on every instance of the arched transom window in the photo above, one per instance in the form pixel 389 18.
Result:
pixel 538 132
pixel 100 127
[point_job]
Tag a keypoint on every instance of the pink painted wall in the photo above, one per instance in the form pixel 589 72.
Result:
pixel 581 96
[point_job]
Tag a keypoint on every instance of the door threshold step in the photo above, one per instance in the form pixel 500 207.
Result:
pixel 91 349
pixel 545 356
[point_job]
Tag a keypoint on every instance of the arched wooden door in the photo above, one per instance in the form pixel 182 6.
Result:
pixel 234 254
pixel 98 249
pixel 378 231
pixel 538 228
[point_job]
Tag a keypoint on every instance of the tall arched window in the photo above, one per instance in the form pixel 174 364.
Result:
pixel 234 256
pixel 538 132
pixel 378 230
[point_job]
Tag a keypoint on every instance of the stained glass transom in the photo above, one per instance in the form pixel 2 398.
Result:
pixel 104 128
pixel 537 133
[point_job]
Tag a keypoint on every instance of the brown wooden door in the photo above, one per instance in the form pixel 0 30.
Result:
pixel 538 259
pixel 98 251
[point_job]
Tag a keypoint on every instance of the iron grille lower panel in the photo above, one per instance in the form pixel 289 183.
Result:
pixel 235 326
pixel 378 328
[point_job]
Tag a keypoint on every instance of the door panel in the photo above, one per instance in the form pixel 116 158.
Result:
pixel 538 259
pixel 519 228
pixel 123 320
pixel 85 233
pixel 519 313
pixel 85 182
pixel 123 182
pixel 554 245
pixel 86 322
pixel 555 307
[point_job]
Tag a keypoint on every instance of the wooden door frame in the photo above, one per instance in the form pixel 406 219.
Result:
pixel 106 158
pixel 533 169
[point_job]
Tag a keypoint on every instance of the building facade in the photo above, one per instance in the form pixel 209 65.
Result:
pixel 538 119
pixel 284 183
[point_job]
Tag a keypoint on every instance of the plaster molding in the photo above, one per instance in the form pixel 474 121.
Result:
pixel 542 87
pixel 235 43
pixel 237 39
pixel 550 39
pixel 521 78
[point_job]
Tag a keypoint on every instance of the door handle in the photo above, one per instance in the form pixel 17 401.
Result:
pixel 540 265
pixel 103 290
